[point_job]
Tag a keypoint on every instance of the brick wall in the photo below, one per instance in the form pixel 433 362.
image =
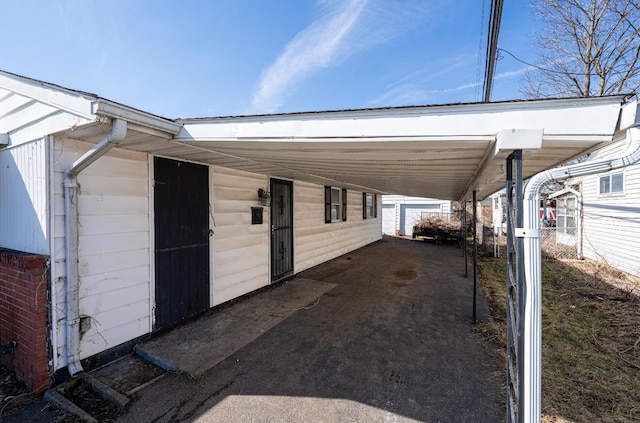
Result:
pixel 24 316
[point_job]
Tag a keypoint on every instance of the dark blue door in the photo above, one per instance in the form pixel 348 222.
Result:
pixel 181 213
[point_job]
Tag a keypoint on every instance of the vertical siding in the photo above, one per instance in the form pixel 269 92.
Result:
pixel 23 166
pixel 23 198
pixel 241 250
pixel 389 219
pixel 316 241
pixel 611 225
pixel 113 205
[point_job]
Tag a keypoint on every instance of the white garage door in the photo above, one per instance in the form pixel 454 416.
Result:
pixel 412 213
pixel 389 219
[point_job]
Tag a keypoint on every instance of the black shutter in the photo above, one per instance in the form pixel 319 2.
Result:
pixel 327 204
pixel 364 205
pixel 344 204
pixel 375 205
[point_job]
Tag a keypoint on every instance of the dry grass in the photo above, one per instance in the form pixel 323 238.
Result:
pixel 590 339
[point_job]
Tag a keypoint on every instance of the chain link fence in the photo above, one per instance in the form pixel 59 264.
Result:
pixel 559 243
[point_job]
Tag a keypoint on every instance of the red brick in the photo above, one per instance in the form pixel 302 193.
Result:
pixel 33 262
pixel 8 271
pixel 24 314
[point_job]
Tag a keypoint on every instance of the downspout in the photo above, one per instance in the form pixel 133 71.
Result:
pixel 117 134
pixel 531 378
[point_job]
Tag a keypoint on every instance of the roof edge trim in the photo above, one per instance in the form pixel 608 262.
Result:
pixel 102 107
pixel 470 107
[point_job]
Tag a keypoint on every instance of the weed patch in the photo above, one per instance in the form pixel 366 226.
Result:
pixel 590 341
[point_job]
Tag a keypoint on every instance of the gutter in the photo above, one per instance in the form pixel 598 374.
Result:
pixel 72 283
pixel 532 319
pixel 142 121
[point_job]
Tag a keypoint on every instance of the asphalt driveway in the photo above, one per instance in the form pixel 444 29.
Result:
pixel 392 341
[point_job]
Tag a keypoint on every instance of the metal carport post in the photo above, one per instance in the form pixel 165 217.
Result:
pixel 517 401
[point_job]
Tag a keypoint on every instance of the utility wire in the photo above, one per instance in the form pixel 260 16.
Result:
pixel 543 69
pixel 495 17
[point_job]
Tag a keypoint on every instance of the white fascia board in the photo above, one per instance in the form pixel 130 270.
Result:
pixel 112 110
pixel 518 139
pixel 70 101
pixel 630 115
pixel 575 117
pixel 563 191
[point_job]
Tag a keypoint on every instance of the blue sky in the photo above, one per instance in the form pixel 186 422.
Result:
pixel 219 58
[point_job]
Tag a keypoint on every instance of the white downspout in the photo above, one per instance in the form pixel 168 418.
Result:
pixel 117 134
pixel 531 379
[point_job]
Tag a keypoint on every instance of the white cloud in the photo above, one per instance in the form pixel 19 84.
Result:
pixel 411 89
pixel 315 47
pixel 346 27
pixel 407 93
pixel 508 74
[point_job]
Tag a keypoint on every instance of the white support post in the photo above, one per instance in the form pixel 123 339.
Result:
pixel 530 371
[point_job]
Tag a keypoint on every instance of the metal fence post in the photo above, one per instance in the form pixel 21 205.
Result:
pixel 475 253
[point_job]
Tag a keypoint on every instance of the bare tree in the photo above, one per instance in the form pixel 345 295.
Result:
pixel 586 48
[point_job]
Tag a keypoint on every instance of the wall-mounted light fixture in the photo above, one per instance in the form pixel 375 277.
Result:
pixel 265 197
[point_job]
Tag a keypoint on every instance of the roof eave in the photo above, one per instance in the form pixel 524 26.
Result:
pixel 450 108
pixel 105 108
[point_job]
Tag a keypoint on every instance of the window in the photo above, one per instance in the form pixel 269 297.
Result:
pixel 567 214
pixel 369 206
pixel 335 204
pixel 612 184
pixel 568 219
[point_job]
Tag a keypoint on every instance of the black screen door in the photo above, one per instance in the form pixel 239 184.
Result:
pixel 181 213
pixel 281 228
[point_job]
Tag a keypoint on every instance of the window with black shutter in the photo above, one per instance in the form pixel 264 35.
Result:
pixel 369 205
pixel 335 204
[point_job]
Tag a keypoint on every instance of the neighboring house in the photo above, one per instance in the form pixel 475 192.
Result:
pixel 400 213
pixel 115 223
pixel 600 214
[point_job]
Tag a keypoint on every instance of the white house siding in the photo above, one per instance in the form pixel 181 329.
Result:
pixel 241 250
pixel 23 197
pixel 400 213
pixel 115 287
pixel 316 241
pixel 389 219
pixel 611 224
pixel 23 165
pixel 114 266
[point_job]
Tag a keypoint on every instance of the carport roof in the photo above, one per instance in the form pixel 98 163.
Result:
pixel 442 151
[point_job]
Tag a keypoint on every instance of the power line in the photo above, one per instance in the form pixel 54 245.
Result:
pixel 495 17
pixel 543 69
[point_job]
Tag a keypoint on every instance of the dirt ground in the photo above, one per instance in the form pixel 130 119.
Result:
pixel 19 405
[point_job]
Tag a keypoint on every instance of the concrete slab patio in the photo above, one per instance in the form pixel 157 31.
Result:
pixel 392 341
pixel 199 346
